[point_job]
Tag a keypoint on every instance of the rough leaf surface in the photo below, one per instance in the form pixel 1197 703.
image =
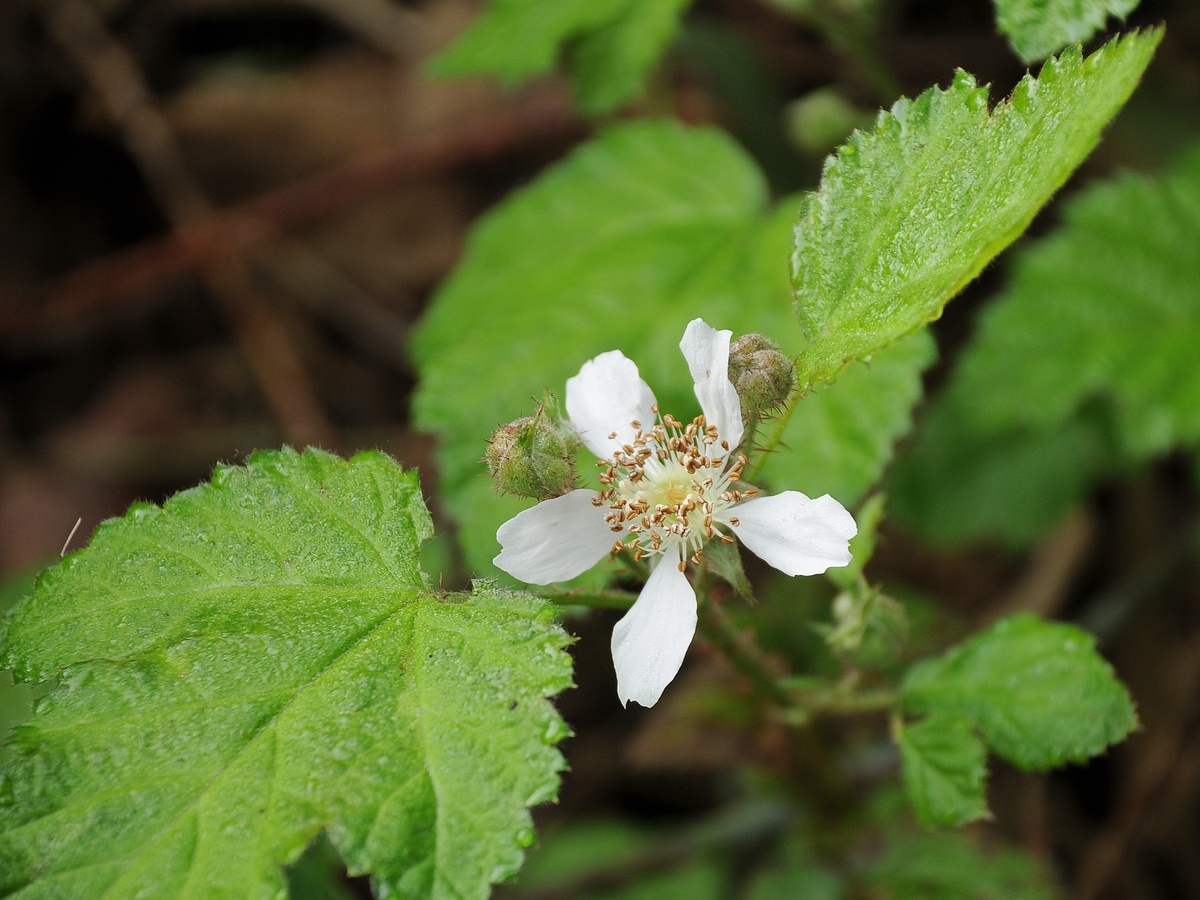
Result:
pixel 910 213
pixel 1038 691
pixel 945 770
pixel 1037 28
pixel 257 660
pixel 618 247
pixel 610 46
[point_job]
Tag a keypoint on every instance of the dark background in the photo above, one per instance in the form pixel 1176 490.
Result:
pixel 131 363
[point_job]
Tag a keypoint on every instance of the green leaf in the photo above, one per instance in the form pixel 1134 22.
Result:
pixel 907 215
pixel 611 64
pixel 611 46
pixel 951 867
pixel 1037 28
pixel 958 482
pixel 619 246
pixel 261 659
pixel 1104 309
pixel 1038 691
pixel 945 769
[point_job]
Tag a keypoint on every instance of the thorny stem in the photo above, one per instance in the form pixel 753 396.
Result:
pixel 850 38
pixel 773 438
pixel 745 656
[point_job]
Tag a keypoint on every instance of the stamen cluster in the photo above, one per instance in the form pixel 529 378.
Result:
pixel 671 487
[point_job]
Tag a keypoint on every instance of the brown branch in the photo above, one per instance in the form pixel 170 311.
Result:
pixel 108 284
pixel 113 76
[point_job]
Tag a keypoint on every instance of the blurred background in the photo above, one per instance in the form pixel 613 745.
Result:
pixel 220 220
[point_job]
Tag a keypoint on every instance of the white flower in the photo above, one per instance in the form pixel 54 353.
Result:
pixel 668 488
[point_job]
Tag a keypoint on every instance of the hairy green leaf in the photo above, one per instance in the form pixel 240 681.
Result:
pixel 261 659
pixel 618 247
pixel 951 867
pixel 945 769
pixel 1038 691
pixel 611 46
pixel 1104 309
pixel 1037 28
pixel 910 213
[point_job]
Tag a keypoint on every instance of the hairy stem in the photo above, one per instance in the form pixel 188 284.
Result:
pixel 745 655
pixel 759 459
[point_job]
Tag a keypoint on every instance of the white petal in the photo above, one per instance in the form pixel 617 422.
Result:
pixel 605 397
pixel 649 643
pixel 796 535
pixel 707 353
pixel 555 540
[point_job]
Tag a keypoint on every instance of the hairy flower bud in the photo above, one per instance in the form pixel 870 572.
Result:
pixel 762 374
pixel 531 457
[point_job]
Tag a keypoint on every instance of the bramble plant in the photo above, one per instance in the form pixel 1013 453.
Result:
pixel 262 660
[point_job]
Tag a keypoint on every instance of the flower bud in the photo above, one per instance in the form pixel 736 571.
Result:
pixel 531 457
pixel 762 374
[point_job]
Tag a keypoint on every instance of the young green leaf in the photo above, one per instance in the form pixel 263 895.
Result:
pixel 261 659
pixel 1038 691
pixel 945 769
pixel 611 46
pixel 1106 309
pixel 618 247
pixel 907 215
pixel 1037 28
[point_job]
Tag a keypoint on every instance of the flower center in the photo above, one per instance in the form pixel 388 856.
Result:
pixel 669 490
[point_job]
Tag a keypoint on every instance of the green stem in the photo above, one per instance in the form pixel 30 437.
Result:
pixel 773 438
pixel 852 39
pixel 746 656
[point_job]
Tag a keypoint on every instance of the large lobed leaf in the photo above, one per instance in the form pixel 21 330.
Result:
pixel 1037 28
pixel 611 46
pixel 258 660
pixel 1038 691
pixel 618 247
pixel 910 213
